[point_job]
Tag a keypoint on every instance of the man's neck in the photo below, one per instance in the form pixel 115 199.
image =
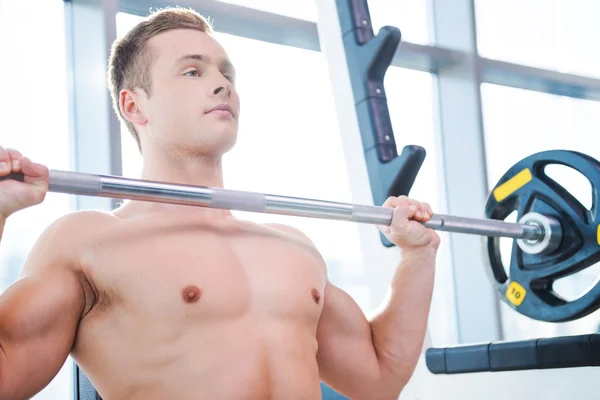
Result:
pixel 200 172
pixel 195 172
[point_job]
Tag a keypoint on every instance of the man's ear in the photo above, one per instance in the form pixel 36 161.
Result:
pixel 131 107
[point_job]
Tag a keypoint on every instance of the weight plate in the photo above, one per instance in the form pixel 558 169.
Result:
pixel 526 188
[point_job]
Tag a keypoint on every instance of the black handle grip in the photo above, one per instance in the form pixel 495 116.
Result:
pixel 383 50
pixel 412 158
pixel 384 47
pixel 361 21
pixel 385 143
pixel 15 176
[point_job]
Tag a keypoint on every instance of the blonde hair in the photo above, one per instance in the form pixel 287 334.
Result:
pixel 130 60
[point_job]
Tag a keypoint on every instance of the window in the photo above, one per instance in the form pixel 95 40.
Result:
pixel 410 101
pixel 409 16
pixel 34 120
pixel 557 34
pixel 306 9
pixel 517 124
pixel 131 159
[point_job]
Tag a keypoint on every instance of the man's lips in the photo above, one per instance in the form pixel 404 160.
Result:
pixel 222 110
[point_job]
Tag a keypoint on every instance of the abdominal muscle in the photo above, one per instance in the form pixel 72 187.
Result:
pixel 245 359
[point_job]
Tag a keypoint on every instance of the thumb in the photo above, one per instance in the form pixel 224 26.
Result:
pixel 34 174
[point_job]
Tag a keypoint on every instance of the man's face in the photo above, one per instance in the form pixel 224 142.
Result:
pixel 191 75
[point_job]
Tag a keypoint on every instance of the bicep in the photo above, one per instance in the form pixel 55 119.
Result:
pixel 38 320
pixel 346 356
pixel 39 314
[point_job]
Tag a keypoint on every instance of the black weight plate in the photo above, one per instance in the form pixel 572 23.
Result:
pixel 526 188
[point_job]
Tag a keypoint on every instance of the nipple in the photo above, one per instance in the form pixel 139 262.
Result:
pixel 316 296
pixel 191 294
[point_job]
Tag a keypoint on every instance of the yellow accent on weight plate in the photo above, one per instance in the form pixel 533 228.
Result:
pixel 598 235
pixel 516 293
pixel 513 184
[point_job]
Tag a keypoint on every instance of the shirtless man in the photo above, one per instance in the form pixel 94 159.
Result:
pixel 159 301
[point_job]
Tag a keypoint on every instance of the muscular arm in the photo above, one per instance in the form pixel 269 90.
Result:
pixel 374 359
pixel 39 314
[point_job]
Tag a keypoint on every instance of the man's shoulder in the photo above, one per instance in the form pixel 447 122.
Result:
pixel 292 231
pixel 300 237
pixel 79 222
pixel 65 238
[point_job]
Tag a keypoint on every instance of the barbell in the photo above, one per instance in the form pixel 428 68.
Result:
pixel 555 234
pixel 116 187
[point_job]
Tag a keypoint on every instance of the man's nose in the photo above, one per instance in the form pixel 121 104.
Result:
pixel 223 91
pixel 224 88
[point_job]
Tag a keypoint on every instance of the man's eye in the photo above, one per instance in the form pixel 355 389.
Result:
pixel 192 73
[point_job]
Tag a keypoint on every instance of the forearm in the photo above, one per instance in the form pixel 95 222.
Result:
pixel 399 329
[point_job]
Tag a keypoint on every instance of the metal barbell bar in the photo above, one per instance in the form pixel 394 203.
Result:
pixel 116 187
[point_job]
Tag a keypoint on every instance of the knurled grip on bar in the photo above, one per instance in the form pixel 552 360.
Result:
pixel 75 183
pixel 238 200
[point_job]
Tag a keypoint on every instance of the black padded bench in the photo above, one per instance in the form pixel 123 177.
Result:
pixel 558 352
pixel 83 390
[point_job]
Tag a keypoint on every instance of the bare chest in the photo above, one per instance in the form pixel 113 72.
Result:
pixel 193 274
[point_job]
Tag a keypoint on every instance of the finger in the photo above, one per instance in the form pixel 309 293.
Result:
pixel 421 212
pixel 394 201
pixel 404 209
pixel 33 171
pixel 404 212
pixel 15 159
pixel 425 210
pixel 5 168
pixel 402 201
